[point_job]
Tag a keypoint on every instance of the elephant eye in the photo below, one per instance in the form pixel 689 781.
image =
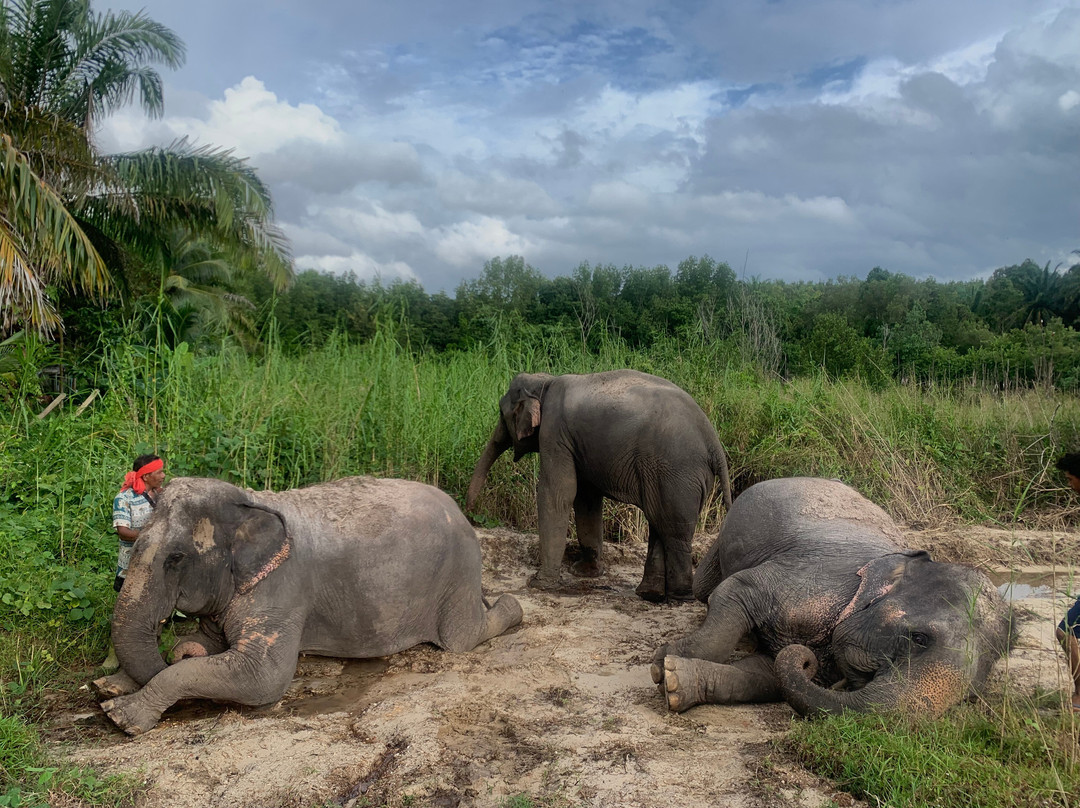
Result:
pixel 174 558
pixel 920 639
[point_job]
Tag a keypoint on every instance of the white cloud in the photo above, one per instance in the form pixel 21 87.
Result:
pixel 257 122
pixel 368 222
pixel 679 110
pixel 754 207
pixel 363 266
pixel 469 244
pixel 618 198
pixel 1067 101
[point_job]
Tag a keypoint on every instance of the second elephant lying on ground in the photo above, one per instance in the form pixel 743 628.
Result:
pixel 360 567
pixel 842 617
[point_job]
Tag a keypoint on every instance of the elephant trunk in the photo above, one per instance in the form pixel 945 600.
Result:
pixel 930 692
pixel 135 623
pixel 498 443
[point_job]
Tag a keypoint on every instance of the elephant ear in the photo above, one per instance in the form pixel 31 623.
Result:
pixel 526 416
pixel 260 544
pixel 879 577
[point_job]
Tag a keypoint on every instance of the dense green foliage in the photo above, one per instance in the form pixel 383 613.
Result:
pixel 1015 329
pixel 974 757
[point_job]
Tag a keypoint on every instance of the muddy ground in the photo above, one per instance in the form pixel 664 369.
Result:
pixel 560 709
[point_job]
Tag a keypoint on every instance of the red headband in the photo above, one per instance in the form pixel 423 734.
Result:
pixel 134 479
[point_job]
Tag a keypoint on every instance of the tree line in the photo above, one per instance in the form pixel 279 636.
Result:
pixel 1016 327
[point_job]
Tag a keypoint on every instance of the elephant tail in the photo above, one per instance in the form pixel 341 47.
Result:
pixel 718 461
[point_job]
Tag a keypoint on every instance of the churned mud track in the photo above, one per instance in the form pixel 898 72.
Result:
pixel 562 709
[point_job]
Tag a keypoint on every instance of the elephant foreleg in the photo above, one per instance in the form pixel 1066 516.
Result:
pixel 589 515
pixel 555 494
pixel 117 684
pixel 687 682
pixel 258 675
pixel 727 621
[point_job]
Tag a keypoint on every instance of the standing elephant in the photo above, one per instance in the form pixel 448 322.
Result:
pixel 842 617
pixel 359 567
pixel 626 435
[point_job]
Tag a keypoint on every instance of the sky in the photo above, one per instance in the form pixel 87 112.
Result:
pixel 799 140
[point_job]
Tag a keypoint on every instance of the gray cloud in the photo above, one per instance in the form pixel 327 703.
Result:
pixel 930 138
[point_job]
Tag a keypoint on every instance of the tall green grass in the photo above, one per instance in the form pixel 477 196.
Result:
pixel 975 756
pixel 378 408
pixel 28 780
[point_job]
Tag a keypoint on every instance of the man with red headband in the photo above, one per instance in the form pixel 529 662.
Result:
pixel 132 508
pixel 134 505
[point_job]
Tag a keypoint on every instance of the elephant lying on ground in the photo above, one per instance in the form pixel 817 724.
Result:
pixel 360 567
pixel 841 616
pixel 625 435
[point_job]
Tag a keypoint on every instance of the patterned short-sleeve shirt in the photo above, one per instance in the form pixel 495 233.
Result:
pixel 129 510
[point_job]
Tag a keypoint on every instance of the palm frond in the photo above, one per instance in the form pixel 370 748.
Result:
pixel 111 62
pixel 212 193
pixel 23 296
pixel 43 241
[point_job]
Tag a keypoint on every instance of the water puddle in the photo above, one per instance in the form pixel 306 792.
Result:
pixel 356 679
pixel 1040 584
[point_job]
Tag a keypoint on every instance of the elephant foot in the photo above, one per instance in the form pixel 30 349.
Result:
pixel 682 596
pixel 587 568
pixel 544 583
pixel 650 592
pixel 131 714
pixel 118 684
pixel 504 615
pixel 680 682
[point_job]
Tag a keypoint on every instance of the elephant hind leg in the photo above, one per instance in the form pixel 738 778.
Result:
pixel 669 568
pixel 589 515
pixel 686 682
pixel 505 614
pixel 468 629
pixel 653 584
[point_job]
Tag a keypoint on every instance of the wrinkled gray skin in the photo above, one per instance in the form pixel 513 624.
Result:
pixel 842 618
pixel 359 567
pixel 622 434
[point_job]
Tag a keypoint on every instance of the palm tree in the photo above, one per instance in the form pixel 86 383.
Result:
pixel 71 217
pixel 1042 293
pixel 195 301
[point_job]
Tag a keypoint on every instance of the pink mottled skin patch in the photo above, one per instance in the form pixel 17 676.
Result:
pixel 202 536
pixel 890 612
pixel 814 615
pixel 257 643
pixel 938 687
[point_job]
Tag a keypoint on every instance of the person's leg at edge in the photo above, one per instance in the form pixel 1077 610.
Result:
pixel 1067 631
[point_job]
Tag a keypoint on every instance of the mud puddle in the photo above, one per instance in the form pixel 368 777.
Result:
pixel 1037 582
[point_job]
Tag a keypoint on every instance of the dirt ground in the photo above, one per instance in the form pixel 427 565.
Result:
pixel 561 709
